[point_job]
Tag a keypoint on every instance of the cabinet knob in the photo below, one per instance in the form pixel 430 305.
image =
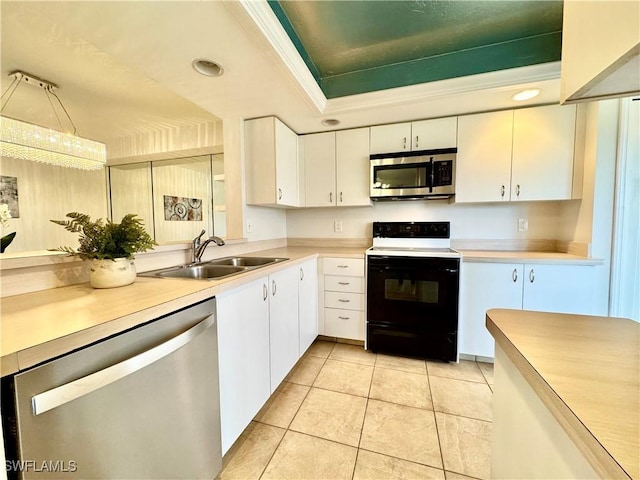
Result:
pixel 274 287
pixel 502 191
pixel 532 276
pixel 265 292
pixel 514 275
pixel 279 194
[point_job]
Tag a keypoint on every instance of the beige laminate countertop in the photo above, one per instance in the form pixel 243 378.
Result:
pixel 36 327
pixel 586 370
pixel 495 256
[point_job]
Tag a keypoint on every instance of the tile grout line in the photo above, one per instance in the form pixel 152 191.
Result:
pixel 435 421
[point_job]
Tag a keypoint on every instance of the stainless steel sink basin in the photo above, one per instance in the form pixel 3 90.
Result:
pixel 247 261
pixel 215 269
pixel 202 271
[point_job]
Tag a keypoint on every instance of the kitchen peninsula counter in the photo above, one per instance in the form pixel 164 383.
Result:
pixel 572 375
pixel 38 326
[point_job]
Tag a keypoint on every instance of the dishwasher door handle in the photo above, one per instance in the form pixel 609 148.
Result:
pixel 45 401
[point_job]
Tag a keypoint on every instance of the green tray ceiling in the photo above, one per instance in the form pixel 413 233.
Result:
pixel 360 46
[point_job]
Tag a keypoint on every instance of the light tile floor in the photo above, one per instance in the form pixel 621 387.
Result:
pixel 345 413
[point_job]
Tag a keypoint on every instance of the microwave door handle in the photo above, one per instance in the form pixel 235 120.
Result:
pixel 431 162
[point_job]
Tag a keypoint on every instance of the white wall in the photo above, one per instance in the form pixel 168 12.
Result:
pixel 479 221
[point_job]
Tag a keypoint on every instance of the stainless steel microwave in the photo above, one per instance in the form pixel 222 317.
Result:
pixel 425 174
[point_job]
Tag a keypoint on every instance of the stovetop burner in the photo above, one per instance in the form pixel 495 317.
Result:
pixel 418 239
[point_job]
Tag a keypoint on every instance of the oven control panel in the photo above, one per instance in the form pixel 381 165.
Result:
pixel 411 229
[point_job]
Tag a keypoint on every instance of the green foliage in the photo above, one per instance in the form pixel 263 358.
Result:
pixel 106 240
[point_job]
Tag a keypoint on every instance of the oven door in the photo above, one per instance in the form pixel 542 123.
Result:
pixel 416 292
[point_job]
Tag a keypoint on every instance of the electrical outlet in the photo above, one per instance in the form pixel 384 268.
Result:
pixel 523 225
pixel 249 226
pixel 337 226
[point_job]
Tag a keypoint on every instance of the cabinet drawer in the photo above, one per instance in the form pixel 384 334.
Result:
pixel 352 267
pixel 344 323
pixel 339 283
pixel 346 301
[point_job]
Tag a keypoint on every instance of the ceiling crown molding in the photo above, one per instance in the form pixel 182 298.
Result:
pixel 264 18
pixel 484 82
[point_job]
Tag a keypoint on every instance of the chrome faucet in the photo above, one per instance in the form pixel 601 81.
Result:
pixel 198 247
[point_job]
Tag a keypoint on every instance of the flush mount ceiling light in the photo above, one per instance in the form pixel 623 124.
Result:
pixel 330 122
pixel 526 94
pixel 207 67
pixel 26 141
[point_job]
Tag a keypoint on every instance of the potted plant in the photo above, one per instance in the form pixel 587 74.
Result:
pixel 110 247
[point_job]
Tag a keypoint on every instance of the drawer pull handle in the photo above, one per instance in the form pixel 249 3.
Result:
pixel 344 283
pixel 343 266
pixel 343 318
pixel 343 300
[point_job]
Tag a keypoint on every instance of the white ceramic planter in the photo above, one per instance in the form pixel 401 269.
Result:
pixel 112 273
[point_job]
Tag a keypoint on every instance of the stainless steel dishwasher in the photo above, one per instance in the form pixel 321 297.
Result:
pixel 141 404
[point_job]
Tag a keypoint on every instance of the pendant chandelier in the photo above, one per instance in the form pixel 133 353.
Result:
pixel 27 141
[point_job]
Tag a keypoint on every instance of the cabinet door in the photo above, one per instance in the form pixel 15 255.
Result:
pixel 320 169
pixel 260 161
pixel 484 286
pixel 431 134
pixel 543 148
pixel 308 304
pixel 286 149
pixel 243 354
pixel 390 138
pixel 283 331
pixel 559 288
pixel 483 165
pixel 352 166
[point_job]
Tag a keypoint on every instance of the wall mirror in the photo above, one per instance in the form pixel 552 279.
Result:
pixel 176 198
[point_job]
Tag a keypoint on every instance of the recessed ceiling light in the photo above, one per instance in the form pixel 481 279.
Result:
pixel 207 67
pixel 526 94
pixel 330 122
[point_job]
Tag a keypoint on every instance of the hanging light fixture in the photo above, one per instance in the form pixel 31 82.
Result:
pixel 27 141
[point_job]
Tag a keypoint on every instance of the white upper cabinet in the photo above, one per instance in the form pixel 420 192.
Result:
pixel 600 50
pixel 519 155
pixel 390 138
pixel 352 166
pixel 336 168
pixel 543 153
pixel 271 158
pixel 483 164
pixel 320 169
pixel 422 135
pixel 433 134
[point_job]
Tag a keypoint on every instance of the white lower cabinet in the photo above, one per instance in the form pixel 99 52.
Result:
pixel 260 333
pixel 539 287
pixel 283 326
pixel 308 304
pixel 243 356
pixel 343 298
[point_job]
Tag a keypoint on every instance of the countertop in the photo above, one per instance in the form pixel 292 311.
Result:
pixel 39 326
pixel 550 258
pixel 586 370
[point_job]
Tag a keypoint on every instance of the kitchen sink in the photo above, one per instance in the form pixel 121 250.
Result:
pixel 247 261
pixel 215 269
pixel 201 271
